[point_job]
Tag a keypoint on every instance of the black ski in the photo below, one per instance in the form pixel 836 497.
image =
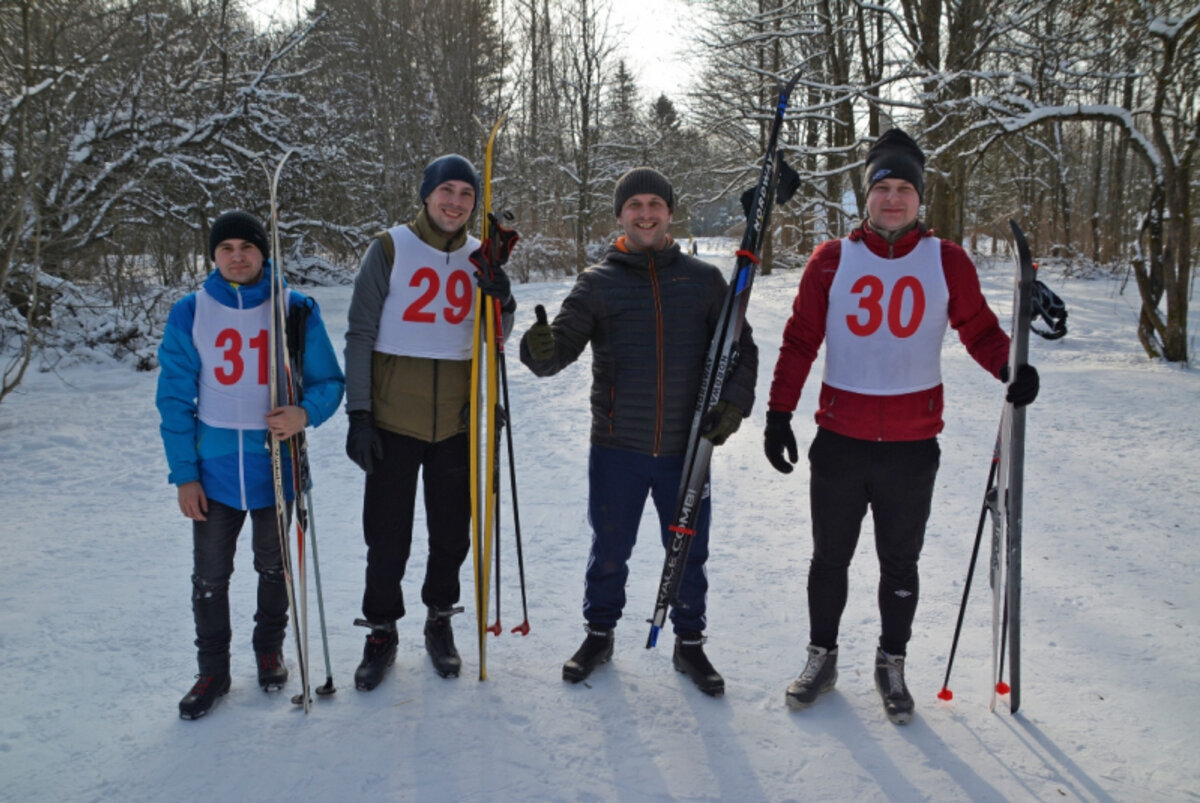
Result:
pixel 722 356
pixel 1006 624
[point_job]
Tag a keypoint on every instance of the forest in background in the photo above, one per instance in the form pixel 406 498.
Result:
pixel 126 126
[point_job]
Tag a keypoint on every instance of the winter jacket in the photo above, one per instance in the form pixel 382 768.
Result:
pixel 650 318
pixel 419 397
pixel 902 417
pixel 234 465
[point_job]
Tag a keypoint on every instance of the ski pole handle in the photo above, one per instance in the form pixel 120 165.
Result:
pixel 540 312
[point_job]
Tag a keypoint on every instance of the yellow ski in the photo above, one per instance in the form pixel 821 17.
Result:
pixel 484 393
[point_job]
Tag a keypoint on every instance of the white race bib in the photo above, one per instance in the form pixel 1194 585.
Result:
pixel 886 321
pixel 234 348
pixel 430 307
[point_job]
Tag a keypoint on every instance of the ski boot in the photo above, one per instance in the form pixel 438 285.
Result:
pixel 204 695
pixel 439 642
pixel 690 659
pixel 889 681
pixel 378 654
pixel 596 649
pixel 272 671
pixel 818 677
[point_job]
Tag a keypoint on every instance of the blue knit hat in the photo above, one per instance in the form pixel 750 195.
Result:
pixel 450 167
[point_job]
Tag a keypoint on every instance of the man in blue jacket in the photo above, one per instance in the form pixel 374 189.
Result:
pixel 213 397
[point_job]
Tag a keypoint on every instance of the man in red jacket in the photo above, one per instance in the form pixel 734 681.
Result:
pixel 880 299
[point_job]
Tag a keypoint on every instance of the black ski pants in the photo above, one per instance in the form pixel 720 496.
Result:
pixel 214 543
pixel 388 509
pixel 895 479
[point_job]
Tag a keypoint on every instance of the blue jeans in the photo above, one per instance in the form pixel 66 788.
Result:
pixel 214 543
pixel 618 484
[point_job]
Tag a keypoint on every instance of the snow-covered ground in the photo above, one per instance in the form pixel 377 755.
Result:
pixel 96 628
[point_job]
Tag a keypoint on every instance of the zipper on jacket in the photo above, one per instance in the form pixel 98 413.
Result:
pixel 659 357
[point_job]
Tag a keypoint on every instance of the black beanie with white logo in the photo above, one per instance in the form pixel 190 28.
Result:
pixel 895 155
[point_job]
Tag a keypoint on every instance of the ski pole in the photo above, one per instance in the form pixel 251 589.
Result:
pixel 522 628
pixel 945 693
pixel 496 629
pixel 296 328
pixel 327 688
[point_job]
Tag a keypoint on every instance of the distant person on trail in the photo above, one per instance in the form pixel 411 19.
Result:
pixel 408 371
pixel 214 401
pixel 880 299
pixel 649 312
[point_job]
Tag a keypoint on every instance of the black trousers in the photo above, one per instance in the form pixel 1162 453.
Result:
pixel 214 543
pixel 388 508
pixel 894 479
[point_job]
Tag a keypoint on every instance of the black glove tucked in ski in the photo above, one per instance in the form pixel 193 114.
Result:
pixel 539 338
pixel 498 285
pixel 777 437
pixel 489 260
pixel 1024 387
pixel 720 422
pixel 363 444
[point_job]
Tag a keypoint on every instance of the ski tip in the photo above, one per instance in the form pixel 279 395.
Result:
pixel 495 629
pixel 1002 688
pixel 945 694
pixel 653 640
pixel 522 628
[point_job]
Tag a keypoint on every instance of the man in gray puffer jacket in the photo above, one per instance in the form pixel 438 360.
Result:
pixel 649 312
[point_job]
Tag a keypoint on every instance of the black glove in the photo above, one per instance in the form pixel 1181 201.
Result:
pixel 497 285
pixel 720 422
pixel 1024 387
pixel 489 259
pixel 539 339
pixel 778 436
pixel 363 444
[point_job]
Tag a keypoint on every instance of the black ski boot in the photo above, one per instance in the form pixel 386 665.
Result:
pixel 596 649
pixel 204 695
pixel 272 671
pixel 889 680
pixel 690 659
pixel 818 677
pixel 439 642
pixel 378 654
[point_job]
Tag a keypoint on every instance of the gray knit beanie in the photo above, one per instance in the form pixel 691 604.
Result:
pixel 641 180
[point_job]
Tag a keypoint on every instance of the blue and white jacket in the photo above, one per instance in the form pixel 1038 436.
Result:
pixel 234 464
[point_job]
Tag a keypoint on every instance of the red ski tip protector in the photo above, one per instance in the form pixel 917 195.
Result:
pixel 945 694
pixel 1002 688
pixel 522 628
pixel 495 629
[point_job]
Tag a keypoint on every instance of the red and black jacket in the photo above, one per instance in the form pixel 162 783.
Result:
pixel 905 417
